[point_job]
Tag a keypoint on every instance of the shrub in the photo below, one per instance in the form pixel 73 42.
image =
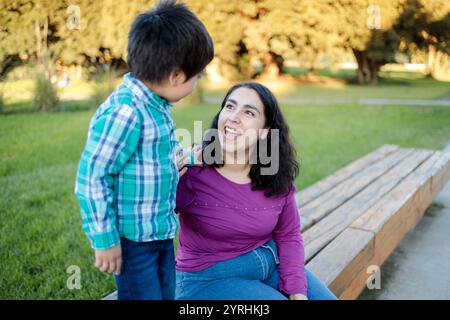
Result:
pixel 104 85
pixel 45 96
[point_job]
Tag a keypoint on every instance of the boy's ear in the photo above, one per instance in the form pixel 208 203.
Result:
pixel 176 78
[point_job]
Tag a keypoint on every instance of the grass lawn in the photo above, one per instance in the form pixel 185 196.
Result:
pixel 393 85
pixel 40 227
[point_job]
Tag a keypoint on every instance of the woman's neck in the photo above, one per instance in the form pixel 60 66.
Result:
pixel 236 172
pixel 236 166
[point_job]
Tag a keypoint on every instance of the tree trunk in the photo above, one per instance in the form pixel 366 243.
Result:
pixel 362 66
pixel 273 65
pixel 37 31
pixel 431 58
pixel 367 68
pixel 42 53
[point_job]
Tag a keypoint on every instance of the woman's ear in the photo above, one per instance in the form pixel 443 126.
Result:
pixel 176 78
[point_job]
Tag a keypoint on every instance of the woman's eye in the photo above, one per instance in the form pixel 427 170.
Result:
pixel 229 106
pixel 250 113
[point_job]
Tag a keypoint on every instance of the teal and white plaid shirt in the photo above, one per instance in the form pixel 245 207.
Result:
pixel 127 175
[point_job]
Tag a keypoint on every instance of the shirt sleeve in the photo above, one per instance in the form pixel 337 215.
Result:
pixel 113 137
pixel 290 247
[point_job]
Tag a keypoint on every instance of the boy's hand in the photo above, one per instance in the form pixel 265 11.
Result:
pixel 183 158
pixel 297 296
pixel 109 260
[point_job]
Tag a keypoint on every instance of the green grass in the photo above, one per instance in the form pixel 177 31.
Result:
pixel 40 226
pixel 393 85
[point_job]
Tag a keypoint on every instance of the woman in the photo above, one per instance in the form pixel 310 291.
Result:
pixel 240 229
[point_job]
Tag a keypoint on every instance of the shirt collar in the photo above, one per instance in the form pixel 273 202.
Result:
pixel 143 92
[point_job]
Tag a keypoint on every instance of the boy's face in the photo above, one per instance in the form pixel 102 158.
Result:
pixel 177 87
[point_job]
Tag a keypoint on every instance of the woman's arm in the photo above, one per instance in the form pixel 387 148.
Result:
pixel 185 192
pixel 290 247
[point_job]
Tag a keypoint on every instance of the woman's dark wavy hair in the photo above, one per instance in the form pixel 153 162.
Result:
pixel 281 182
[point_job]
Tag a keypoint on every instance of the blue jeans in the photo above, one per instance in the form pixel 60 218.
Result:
pixel 251 276
pixel 148 270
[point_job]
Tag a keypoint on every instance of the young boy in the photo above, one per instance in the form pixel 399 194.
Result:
pixel 127 175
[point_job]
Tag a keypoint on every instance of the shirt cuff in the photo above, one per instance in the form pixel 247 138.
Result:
pixel 294 286
pixel 105 240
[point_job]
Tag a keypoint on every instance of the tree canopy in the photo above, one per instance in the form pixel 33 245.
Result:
pixel 246 33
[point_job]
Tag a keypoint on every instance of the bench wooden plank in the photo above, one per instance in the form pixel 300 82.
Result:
pixel 329 228
pixel 390 234
pixel 382 212
pixel 387 221
pixel 312 192
pixel 342 259
pixel 320 207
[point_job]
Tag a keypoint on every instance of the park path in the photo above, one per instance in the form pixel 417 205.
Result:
pixel 358 101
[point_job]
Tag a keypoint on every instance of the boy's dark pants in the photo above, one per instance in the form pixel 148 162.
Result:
pixel 148 270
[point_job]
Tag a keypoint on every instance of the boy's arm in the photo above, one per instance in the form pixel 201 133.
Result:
pixel 113 138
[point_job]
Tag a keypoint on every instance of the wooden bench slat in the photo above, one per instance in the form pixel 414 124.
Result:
pixel 338 263
pixel 310 193
pixel 323 232
pixel 440 180
pixel 319 208
pixel 388 227
pixel 387 221
pixel 380 213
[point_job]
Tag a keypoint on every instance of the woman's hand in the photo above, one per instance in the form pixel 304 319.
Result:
pixel 297 296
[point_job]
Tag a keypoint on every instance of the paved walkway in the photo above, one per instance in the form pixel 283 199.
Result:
pixel 419 268
pixel 361 101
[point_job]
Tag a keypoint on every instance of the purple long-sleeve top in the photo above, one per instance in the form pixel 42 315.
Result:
pixel 221 219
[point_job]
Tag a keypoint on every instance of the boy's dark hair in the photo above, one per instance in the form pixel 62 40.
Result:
pixel 165 39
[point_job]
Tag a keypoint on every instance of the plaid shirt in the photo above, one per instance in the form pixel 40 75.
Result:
pixel 127 175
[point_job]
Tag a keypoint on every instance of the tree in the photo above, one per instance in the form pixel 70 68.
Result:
pixel 227 30
pixel 295 30
pixel 426 25
pixel 366 28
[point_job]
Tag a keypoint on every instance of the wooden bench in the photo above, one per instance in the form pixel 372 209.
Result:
pixel 356 217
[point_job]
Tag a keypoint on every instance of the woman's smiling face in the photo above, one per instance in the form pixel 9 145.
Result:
pixel 241 121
